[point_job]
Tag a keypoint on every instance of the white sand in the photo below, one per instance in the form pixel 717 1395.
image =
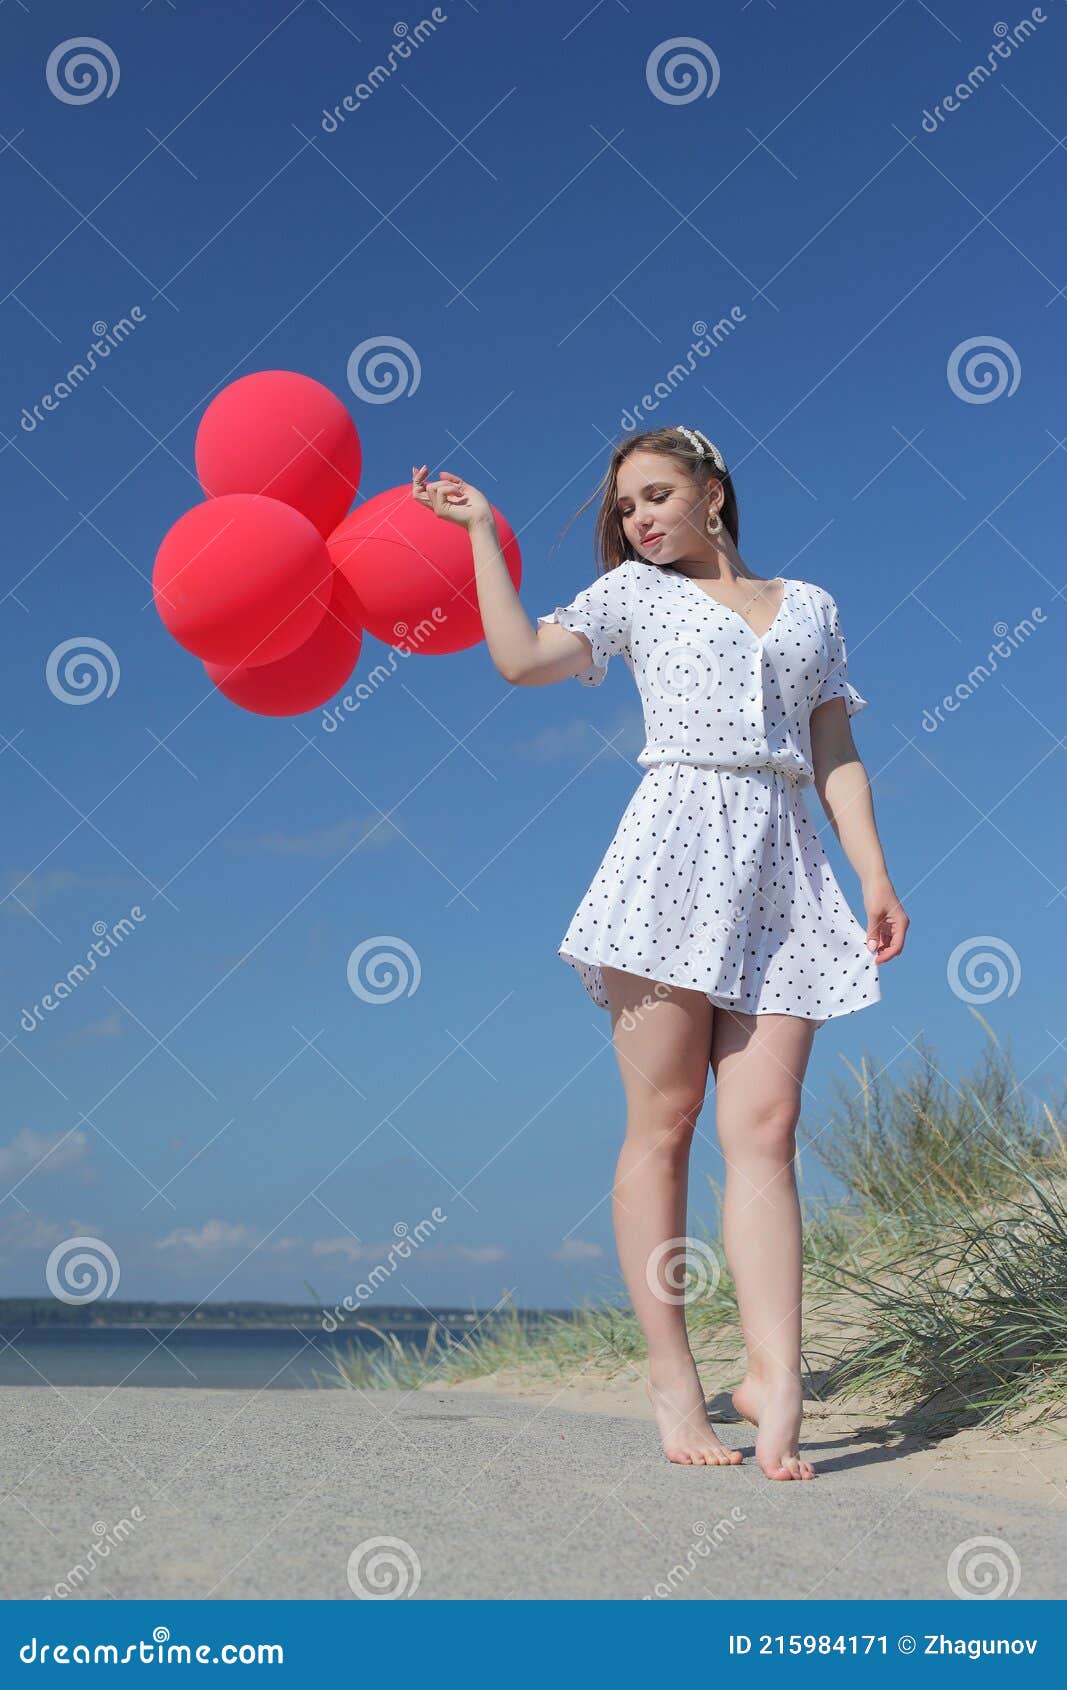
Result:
pixel 1021 1462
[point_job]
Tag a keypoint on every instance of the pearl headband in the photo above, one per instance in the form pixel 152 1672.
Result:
pixel 698 442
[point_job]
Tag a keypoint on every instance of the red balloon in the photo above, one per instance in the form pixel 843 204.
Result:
pixel 413 573
pixel 311 674
pixel 283 434
pixel 242 579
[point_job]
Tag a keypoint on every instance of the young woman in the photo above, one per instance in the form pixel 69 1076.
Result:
pixel 714 929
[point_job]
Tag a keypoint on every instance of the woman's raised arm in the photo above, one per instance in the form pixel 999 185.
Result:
pixel 524 655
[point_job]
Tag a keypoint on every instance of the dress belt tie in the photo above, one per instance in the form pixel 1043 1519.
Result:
pixel 794 778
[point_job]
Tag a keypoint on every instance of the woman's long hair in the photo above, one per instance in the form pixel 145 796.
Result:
pixel 610 544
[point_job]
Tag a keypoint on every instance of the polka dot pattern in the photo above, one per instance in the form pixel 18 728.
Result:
pixel 716 878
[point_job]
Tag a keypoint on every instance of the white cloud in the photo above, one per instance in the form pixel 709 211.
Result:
pixel 346 1246
pixel 332 841
pixel 481 1253
pixel 577 1250
pixel 27 892
pixel 110 1026
pixel 25 1233
pixel 429 1252
pixel 46 1152
pixel 575 738
pixel 215 1236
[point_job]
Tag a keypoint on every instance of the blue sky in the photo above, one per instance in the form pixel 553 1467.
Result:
pixel 520 205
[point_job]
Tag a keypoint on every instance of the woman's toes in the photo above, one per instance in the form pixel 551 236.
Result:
pixel 790 1467
pixel 778 1470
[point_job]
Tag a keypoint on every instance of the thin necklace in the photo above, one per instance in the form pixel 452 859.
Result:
pixel 755 595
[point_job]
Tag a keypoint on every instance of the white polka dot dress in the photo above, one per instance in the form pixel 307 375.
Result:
pixel 716 878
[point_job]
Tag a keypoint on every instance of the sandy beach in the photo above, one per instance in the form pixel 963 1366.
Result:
pixel 1023 1462
pixel 529 1494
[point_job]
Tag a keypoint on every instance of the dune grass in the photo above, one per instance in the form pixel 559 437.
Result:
pixel 935 1283
pixel 970 1324
pixel 598 1337
pixel 904 1152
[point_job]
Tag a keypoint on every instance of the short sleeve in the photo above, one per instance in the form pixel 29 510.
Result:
pixel 837 683
pixel 601 612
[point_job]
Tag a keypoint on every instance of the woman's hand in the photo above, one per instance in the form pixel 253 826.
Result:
pixel 886 921
pixel 451 498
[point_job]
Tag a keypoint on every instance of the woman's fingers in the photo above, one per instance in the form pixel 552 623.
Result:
pixel 419 490
pixel 887 930
pixel 447 497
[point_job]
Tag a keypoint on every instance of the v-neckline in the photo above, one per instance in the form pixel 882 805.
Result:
pixel 730 611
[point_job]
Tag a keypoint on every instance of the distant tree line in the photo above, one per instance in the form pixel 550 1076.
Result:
pixel 52 1311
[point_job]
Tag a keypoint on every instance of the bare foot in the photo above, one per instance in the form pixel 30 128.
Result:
pixel 777 1410
pixel 678 1400
pixel 746 1400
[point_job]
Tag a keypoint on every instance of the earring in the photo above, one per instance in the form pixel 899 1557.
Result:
pixel 713 523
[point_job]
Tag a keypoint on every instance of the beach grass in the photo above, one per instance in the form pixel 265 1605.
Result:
pixel 969 1325
pixel 935 1280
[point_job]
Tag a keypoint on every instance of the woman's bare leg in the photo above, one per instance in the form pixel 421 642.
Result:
pixel 662 1040
pixel 759 1063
